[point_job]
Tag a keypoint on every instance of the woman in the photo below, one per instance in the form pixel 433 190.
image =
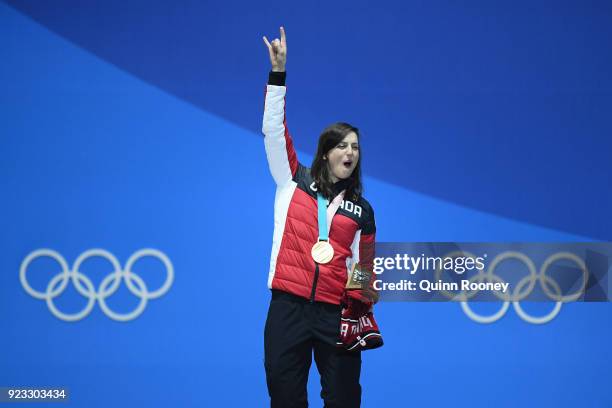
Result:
pixel 313 248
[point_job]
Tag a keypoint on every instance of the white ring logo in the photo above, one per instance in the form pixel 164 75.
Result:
pixel 108 286
pixel 519 294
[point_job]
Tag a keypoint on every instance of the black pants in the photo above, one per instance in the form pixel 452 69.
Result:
pixel 294 328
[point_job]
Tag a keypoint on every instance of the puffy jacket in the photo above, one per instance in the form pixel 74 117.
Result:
pixel 352 231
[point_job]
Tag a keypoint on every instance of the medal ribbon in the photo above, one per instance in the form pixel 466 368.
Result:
pixel 325 216
pixel 322 217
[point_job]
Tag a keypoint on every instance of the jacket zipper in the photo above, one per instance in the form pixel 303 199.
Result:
pixel 314 283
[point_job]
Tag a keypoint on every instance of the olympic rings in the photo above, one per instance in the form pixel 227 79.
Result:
pixel 518 294
pixel 108 286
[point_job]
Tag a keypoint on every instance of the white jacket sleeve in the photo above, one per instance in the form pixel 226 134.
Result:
pixel 282 158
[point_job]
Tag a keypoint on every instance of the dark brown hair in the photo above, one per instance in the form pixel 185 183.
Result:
pixel 331 136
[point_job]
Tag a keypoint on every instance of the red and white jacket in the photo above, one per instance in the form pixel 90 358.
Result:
pixel 352 231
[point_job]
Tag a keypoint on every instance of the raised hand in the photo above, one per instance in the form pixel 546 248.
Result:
pixel 278 51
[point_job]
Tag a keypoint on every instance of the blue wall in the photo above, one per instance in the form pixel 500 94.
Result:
pixel 138 126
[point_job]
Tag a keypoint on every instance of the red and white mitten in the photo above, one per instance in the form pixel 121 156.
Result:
pixel 358 328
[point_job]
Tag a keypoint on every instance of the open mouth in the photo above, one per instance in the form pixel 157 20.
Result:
pixel 348 164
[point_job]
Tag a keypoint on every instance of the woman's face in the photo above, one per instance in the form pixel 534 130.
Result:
pixel 342 159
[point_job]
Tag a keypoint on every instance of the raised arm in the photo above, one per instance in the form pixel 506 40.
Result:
pixel 282 158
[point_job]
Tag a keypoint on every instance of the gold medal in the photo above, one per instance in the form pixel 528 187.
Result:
pixel 322 252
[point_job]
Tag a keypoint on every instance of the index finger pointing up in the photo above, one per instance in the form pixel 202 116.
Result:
pixel 283 37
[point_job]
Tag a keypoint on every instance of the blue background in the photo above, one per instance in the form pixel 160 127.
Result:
pixel 134 125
